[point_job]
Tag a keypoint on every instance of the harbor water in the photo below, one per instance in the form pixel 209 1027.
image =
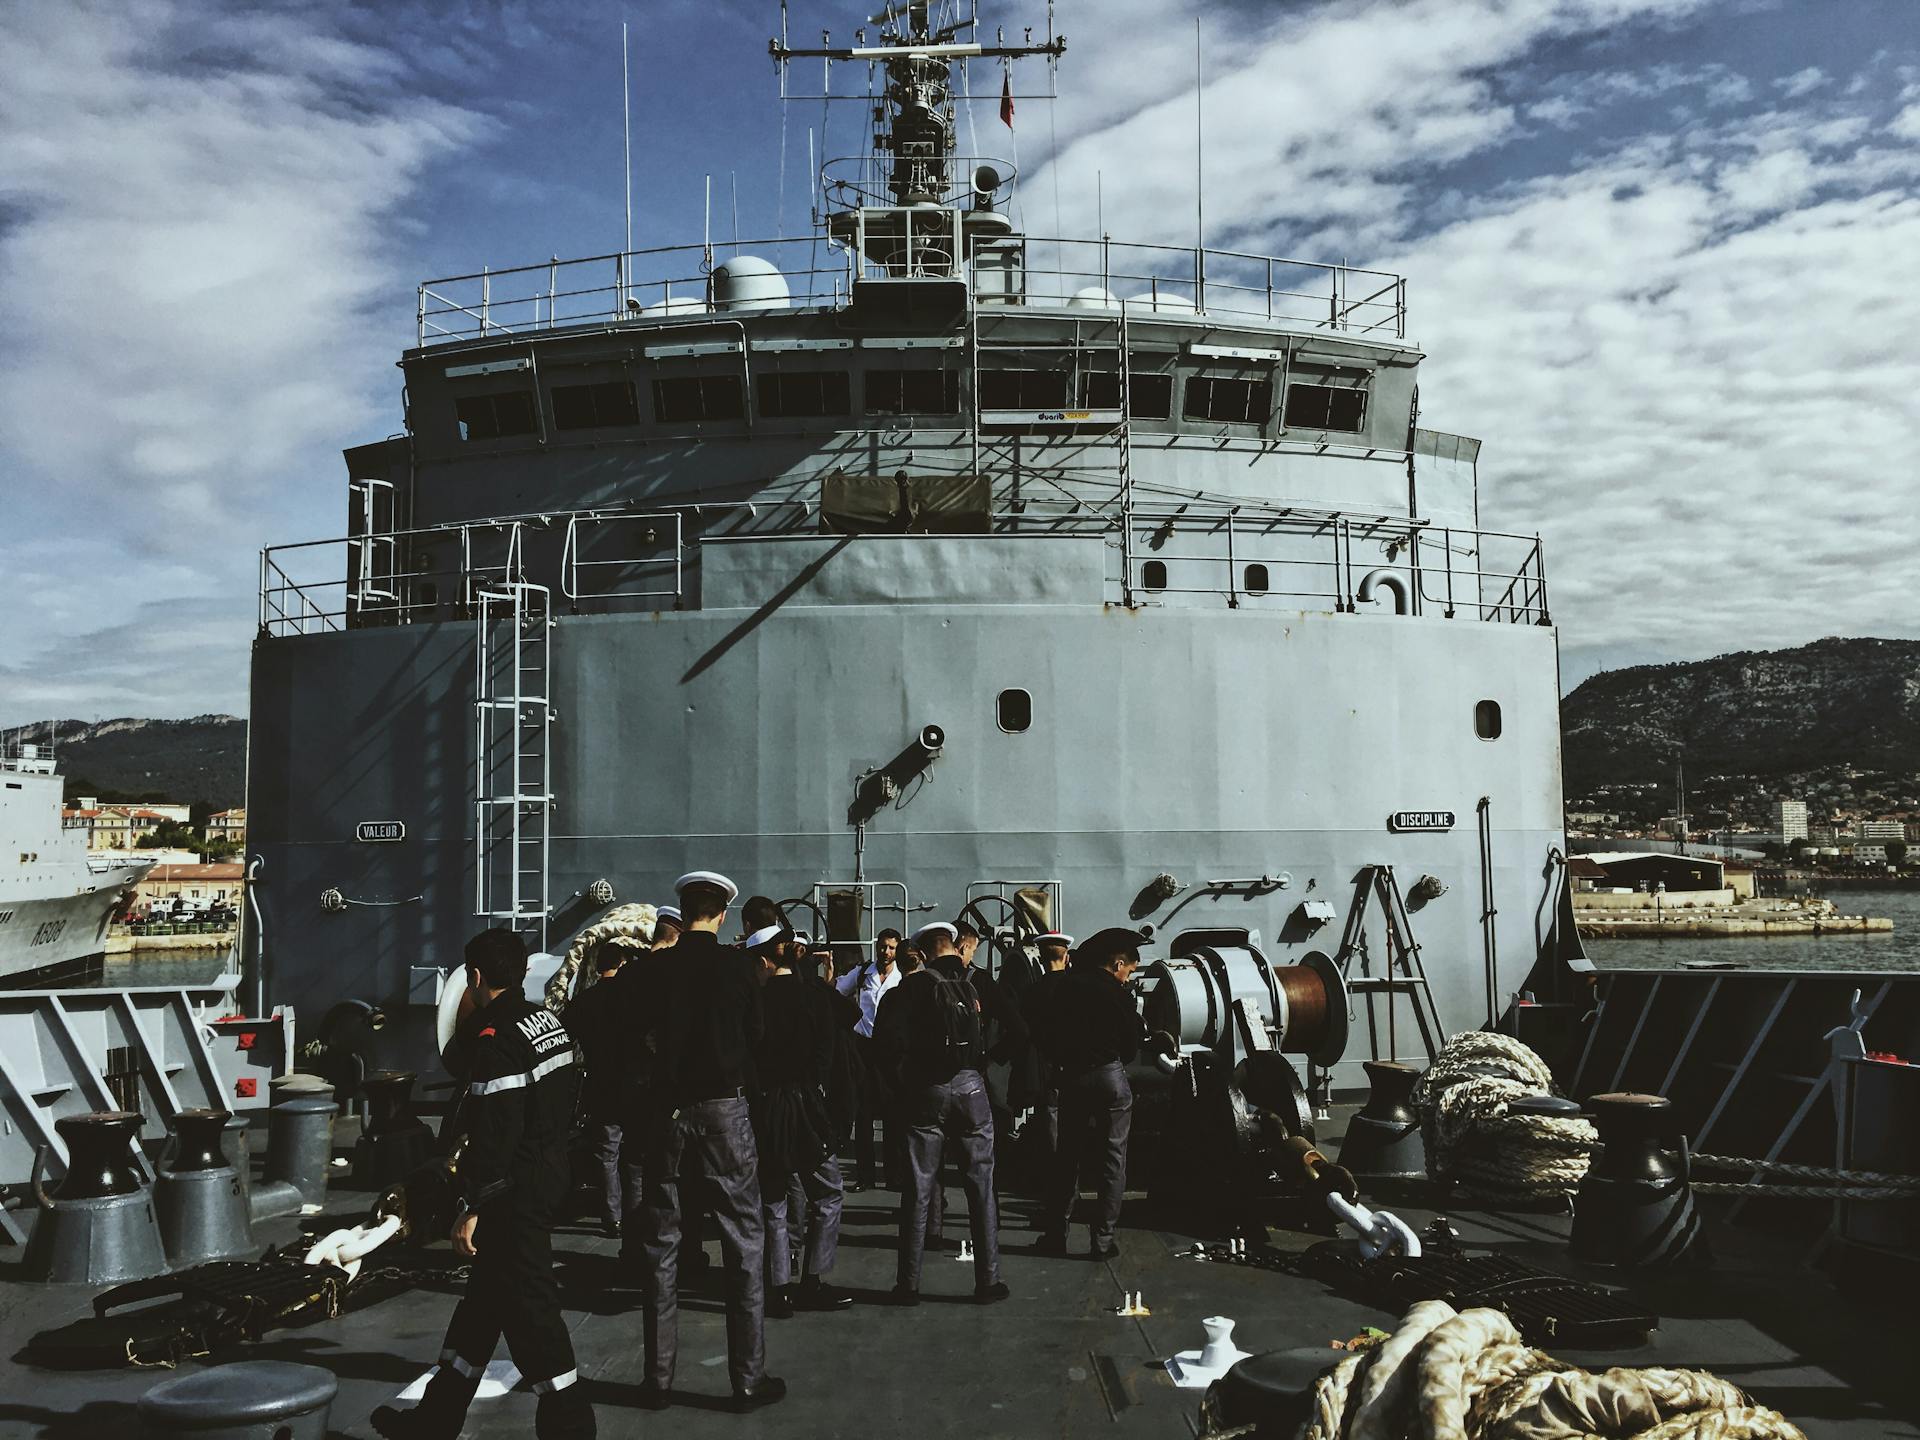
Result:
pixel 165 967
pixel 1897 951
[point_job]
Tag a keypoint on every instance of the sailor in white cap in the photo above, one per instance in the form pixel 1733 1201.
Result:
pixel 1054 946
pixel 667 926
pixel 704 1019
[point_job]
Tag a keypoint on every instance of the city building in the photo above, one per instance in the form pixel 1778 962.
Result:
pixel 1790 819
pixel 1592 819
pixel 1644 869
pixel 228 825
pixel 218 884
pixel 1883 830
pixel 1870 854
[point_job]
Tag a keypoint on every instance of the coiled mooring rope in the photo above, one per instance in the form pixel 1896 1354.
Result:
pixel 1472 1140
pixel 1447 1375
pixel 626 922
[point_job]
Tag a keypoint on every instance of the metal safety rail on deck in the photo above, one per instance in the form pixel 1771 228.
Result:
pixel 1095 275
pixel 1243 554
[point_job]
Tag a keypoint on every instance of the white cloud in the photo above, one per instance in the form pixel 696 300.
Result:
pixel 1802 82
pixel 1686 346
pixel 196 208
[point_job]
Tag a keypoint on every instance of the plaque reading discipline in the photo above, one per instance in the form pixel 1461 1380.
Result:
pixel 1420 820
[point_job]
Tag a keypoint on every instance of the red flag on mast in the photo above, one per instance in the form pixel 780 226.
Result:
pixel 1006 99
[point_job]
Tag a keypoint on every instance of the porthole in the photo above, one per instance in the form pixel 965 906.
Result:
pixel 1015 711
pixel 1153 575
pixel 1256 579
pixel 1486 719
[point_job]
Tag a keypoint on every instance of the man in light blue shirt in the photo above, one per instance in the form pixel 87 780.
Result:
pixel 867 983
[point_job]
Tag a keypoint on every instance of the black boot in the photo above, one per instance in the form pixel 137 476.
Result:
pixel 440 1415
pixel 564 1415
pixel 817 1294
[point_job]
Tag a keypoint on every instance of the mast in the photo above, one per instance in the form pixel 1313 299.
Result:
pixel 914 119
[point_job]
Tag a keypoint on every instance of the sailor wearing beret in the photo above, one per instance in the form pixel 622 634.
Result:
pixel 1089 1028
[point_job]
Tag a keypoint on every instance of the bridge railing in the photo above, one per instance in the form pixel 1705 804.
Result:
pixel 1102 274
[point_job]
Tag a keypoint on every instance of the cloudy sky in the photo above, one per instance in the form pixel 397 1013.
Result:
pixel 1663 255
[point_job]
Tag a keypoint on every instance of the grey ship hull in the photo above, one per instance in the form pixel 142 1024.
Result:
pixel 1185 742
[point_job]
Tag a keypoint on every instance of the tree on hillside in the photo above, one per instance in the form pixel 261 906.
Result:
pixel 171 835
pixel 1896 852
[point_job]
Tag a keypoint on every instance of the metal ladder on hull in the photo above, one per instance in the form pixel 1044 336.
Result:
pixel 1081 351
pixel 1405 973
pixel 512 755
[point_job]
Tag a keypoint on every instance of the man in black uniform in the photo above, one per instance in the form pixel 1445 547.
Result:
pixel 594 1024
pixel 1042 1077
pixel 799 1174
pixel 518 1111
pixel 702 1015
pixel 929 1034
pixel 1089 1029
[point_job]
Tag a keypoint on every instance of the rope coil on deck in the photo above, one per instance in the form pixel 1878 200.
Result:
pixel 1472 1140
pixel 1447 1375
pixel 624 922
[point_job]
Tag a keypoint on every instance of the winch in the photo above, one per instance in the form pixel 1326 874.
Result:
pixel 1226 1022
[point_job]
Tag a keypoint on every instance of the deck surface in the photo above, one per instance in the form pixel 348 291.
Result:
pixel 1052 1361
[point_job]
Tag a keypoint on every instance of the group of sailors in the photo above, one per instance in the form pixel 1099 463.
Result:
pixel 721 1084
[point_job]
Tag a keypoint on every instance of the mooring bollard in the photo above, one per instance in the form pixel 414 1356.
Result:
pixel 1383 1141
pixel 98 1227
pixel 1635 1206
pixel 299 1146
pixel 199 1198
pixel 246 1400
pixel 396 1141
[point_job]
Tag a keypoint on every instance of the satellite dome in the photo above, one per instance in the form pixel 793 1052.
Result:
pixel 746 282
pixel 678 305
pixel 1093 297
pixel 1178 304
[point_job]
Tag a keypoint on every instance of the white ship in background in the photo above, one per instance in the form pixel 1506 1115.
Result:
pixel 56 899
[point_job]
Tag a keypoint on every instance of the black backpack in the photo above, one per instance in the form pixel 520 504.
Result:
pixel 957 1029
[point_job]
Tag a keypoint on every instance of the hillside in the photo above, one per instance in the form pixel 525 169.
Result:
pixel 1759 712
pixel 202 760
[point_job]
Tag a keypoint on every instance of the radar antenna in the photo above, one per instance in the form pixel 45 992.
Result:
pixel 920 42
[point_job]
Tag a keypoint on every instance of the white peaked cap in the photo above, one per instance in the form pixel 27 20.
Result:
pixel 708 877
pixel 941 925
pixel 803 937
pixel 1054 937
pixel 667 912
pixel 765 935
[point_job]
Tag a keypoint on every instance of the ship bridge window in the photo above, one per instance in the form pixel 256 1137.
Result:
pixel 1015 711
pixel 495 415
pixel 1325 407
pixel 803 394
pixel 684 398
pixel 913 392
pixel 1486 719
pixel 593 407
pixel 1023 389
pixel 1153 575
pixel 1257 580
pixel 1226 397
pixel 1149 396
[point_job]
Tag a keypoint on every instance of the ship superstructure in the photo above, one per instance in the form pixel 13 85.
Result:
pixel 56 899
pixel 917 563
